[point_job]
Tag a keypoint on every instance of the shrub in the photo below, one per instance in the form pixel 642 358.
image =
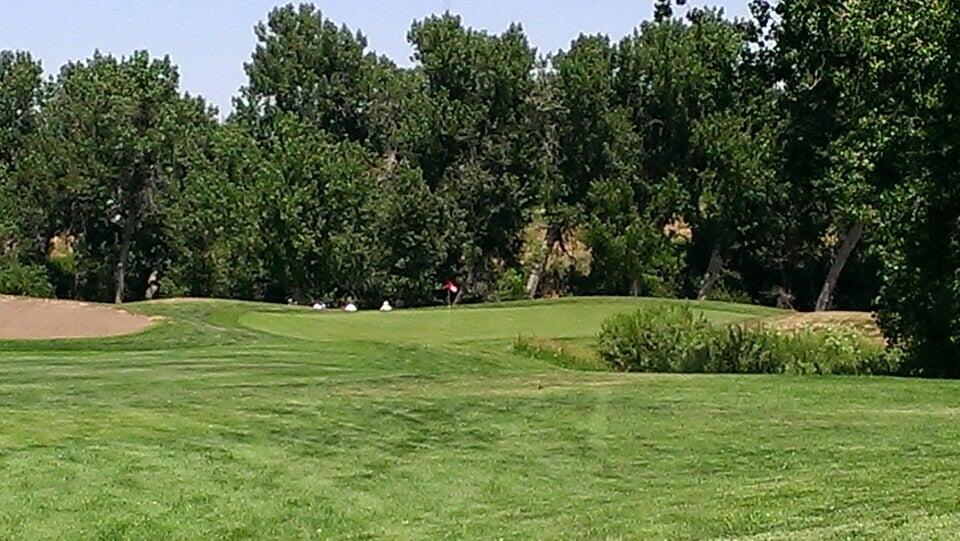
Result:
pixel 760 350
pixel 726 293
pixel 510 286
pixel 19 279
pixel 677 339
pixel 62 272
pixel 669 339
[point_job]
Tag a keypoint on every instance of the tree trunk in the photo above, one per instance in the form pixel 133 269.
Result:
pixel 140 204
pixel 129 227
pixel 850 240
pixel 713 273
pixel 550 237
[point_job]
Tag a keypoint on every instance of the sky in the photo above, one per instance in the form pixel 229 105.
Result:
pixel 211 39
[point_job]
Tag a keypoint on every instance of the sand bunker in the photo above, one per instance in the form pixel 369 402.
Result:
pixel 42 318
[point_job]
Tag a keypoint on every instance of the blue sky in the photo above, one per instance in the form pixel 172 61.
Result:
pixel 211 39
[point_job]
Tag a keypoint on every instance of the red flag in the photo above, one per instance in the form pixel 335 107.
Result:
pixel 451 286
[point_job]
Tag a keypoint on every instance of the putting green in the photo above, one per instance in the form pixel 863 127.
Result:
pixel 562 318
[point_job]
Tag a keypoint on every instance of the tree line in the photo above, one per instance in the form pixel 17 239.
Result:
pixel 805 156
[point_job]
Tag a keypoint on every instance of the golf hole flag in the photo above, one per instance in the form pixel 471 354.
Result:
pixel 451 286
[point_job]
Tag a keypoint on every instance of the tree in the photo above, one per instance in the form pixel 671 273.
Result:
pixel 734 185
pixel 213 220
pixel 595 137
pixel 556 211
pixel 696 112
pixel 901 84
pixel 834 133
pixel 480 152
pixel 597 150
pixel 307 66
pixel 630 253
pixel 313 201
pixel 20 99
pixel 408 238
pixel 110 142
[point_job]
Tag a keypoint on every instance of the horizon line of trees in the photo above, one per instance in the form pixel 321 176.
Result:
pixel 804 157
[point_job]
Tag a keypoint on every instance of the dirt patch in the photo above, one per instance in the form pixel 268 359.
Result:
pixel 861 322
pixel 25 318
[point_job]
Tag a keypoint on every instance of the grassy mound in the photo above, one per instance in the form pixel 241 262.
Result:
pixel 559 318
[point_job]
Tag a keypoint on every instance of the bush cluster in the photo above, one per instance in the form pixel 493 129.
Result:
pixel 510 286
pixel 17 278
pixel 677 339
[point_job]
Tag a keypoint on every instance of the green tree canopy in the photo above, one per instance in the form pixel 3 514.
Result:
pixel 306 65
pixel 111 141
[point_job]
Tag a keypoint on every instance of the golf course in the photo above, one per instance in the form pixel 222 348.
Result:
pixel 235 420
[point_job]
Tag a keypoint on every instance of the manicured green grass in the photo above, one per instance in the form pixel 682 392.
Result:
pixel 561 318
pixel 237 420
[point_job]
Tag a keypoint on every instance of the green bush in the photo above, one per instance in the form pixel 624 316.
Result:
pixel 667 339
pixel 759 350
pixel 19 279
pixel 510 286
pixel 726 293
pixel 677 339
pixel 62 273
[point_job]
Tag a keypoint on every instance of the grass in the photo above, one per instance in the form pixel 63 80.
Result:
pixel 237 420
pixel 561 318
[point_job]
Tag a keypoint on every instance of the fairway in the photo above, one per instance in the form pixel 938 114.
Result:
pixel 242 420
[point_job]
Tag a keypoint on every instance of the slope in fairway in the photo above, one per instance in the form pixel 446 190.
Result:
pixel 205 427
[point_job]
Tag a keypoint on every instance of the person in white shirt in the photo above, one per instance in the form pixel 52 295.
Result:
pixel 386 306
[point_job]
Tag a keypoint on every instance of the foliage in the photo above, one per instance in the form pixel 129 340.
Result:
pixel 306 66
pixel 407 239
pixel 217 232
pixel 17 278
pixel 759 350
pixel 20 98
pixel 481 153
pixel 562 267
pixel 725 293
pixel 668 339
pixel 630 252
pixel 510 286
pixel 912 114
pixel 678 339
pixel 111 143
